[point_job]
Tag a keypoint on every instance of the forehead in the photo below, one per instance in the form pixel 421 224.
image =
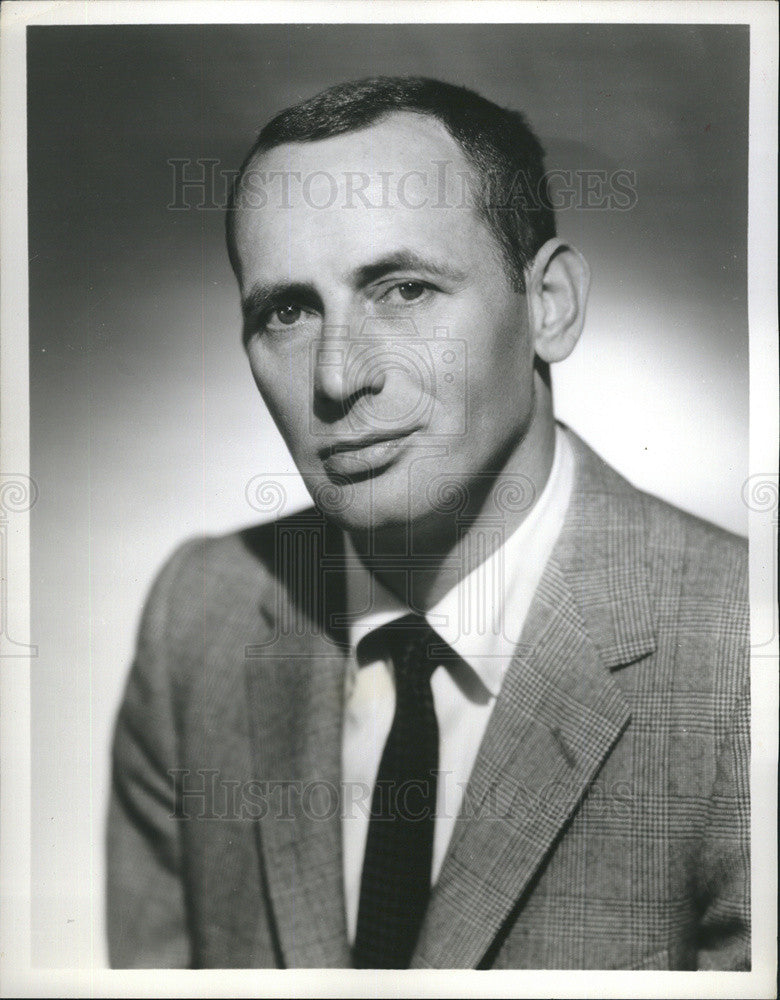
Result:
pixel 396 144
pixel 403 180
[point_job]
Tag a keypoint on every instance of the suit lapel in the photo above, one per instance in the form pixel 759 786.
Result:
pixel 295 690
pixel 558 715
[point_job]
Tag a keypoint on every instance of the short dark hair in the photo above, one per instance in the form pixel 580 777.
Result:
pixel 511 196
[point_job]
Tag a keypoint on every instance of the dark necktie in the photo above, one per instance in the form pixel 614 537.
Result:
pixel 396 879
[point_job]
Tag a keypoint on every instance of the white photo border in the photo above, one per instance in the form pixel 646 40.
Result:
pixel 17 976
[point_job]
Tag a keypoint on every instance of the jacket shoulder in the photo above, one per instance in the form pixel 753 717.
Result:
pixel 697 577
pixel 214 587
pixel 699 574
pixel 217 566
pixel 684 578
pixel 710 559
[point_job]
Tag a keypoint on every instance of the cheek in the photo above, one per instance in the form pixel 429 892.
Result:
pixel 499 360
pixel 283 391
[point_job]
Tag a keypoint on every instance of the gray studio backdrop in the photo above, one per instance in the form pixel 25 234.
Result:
pixel 145 424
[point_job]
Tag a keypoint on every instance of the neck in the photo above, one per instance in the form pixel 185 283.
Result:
pixel 443 553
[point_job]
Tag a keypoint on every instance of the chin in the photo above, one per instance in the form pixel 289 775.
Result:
pixel 363 508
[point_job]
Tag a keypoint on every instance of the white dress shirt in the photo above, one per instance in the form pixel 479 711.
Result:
pixel 481 618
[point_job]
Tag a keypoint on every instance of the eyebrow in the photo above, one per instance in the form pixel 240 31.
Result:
pixel 262 296
pixel 404 260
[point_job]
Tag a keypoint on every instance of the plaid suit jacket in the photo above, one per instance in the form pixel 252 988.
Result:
pixel 606 821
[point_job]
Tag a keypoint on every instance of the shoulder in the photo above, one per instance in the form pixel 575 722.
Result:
pixel 667 540
pixel 654 571
pixel 698 576
pixel 211 572
pixel 216 592
pixel 710 559
pixel 651 568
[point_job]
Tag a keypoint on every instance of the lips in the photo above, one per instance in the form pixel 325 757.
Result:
pixel 365 455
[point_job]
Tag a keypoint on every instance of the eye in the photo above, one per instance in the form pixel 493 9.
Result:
pixel 286 314
pixel 411 290
pixel 283 316
pixel 406 291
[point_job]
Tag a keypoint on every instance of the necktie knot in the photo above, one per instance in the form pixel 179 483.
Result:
pixel 411 643
pixel 412 646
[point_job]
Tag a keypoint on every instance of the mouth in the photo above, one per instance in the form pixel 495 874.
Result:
pixel 365 455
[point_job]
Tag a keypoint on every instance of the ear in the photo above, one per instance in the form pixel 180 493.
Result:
pixel 557 285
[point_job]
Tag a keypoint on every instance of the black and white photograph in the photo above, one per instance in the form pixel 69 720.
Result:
pixel 389 499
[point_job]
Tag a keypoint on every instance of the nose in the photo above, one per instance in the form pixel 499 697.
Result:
pixel 340 374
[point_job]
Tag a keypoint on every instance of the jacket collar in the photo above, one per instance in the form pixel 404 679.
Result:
pixel 601 554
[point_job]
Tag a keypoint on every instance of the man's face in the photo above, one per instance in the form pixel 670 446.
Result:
pixel 381 326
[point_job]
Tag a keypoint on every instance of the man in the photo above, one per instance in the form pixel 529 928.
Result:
pixel 486 705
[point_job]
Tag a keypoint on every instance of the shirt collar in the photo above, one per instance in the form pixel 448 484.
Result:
pixel 482 616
